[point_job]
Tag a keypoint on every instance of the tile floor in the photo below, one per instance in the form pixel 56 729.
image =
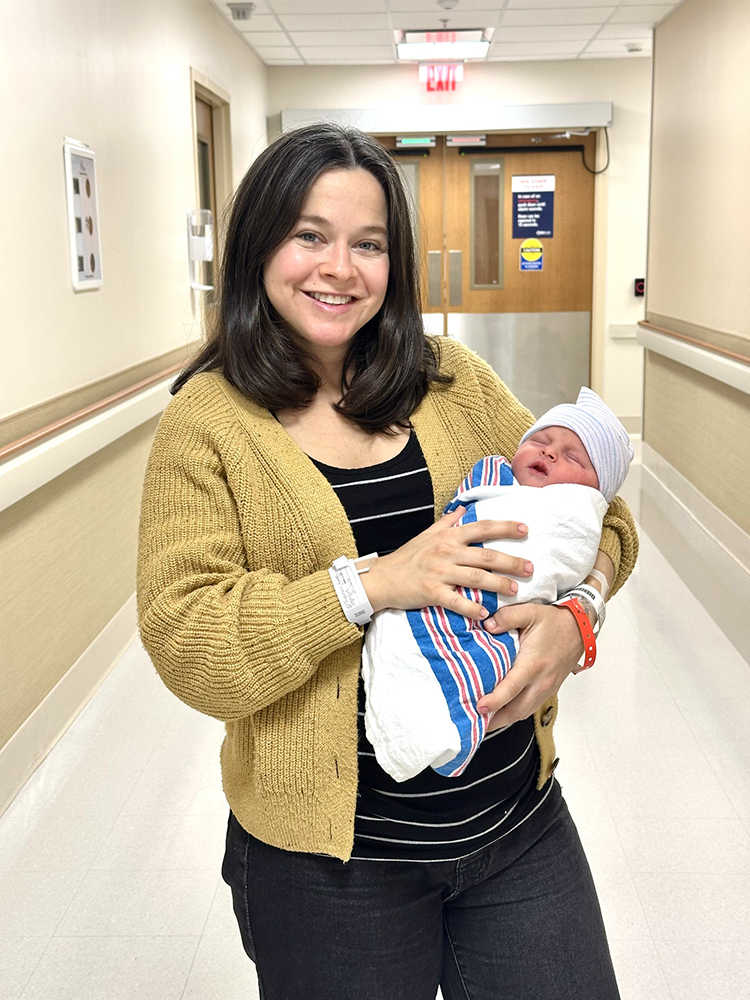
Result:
pixel 655 763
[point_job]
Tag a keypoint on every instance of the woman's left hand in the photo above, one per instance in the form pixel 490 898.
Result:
pixel 550 647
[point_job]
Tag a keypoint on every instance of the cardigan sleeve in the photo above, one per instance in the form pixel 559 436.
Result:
pixel 510 420
pixel 226 641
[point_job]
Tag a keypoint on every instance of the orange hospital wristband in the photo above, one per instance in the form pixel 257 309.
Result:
pixel 584 625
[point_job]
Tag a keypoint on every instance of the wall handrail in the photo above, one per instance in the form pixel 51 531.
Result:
pixel 744 359
pixel 88 411
pixel 717 363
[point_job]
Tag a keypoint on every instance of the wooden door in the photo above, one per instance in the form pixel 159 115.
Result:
pixel 528 315
pixel 472 178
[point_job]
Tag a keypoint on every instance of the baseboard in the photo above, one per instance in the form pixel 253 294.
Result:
pixel 31 743
pixel 706 548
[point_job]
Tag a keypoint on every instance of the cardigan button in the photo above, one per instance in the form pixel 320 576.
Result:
pixel 547 716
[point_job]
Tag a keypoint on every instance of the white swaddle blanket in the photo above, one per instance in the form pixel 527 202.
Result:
pixel 412 715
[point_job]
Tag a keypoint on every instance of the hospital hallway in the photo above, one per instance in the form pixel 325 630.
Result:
pixel 557 186
pixel 653 763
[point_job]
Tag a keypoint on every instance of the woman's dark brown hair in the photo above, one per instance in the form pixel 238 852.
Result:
pixel 390 363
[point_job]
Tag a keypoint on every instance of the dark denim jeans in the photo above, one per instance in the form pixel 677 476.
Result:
pixel 517 921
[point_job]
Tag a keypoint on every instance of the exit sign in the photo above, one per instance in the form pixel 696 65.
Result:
pixel 441 76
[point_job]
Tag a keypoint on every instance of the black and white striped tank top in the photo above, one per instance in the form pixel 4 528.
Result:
pixel 429 817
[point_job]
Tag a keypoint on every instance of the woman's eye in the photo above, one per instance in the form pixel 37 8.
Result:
pixel 307 237
pixel 369 247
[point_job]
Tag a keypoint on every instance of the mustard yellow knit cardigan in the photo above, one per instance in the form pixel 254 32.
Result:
pixel 236 606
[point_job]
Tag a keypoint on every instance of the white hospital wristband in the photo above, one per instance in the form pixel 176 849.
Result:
pixel 350 592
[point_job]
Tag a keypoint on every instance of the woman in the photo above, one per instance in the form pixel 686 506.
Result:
pixel 319 422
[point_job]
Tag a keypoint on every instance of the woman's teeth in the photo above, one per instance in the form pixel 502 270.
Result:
pixel 331 300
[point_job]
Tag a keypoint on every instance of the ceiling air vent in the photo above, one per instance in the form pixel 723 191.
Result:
pixel 241 11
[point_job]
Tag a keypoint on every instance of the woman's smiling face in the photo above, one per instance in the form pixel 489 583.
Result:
pixel 329 276
pixel 554 455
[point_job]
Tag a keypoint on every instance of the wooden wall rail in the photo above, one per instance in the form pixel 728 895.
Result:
pixel 743 358
pixel 88 411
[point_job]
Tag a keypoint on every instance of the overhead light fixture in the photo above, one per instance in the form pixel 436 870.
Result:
pixel 439 45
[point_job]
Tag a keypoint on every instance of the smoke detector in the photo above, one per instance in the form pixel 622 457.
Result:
pixel 241 11
pixel 447 4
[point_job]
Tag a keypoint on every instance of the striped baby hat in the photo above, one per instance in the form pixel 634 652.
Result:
pixel 603 436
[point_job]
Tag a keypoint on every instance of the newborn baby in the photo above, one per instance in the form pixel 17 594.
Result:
pixel 424 671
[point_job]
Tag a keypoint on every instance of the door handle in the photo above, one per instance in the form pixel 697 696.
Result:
pixel 434 277
pixel 455 277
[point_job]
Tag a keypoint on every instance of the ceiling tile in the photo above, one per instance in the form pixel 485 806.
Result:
pixel 266 22
pixel 275 51
pixel 338 53
pixel 625 31
pixel 350 62
pixel 328 6
pixel 565 33
pixel 619 45
pixel 640 14
pixel 430 7
pixel 561 57
pixel 532 49
pixel 537 4
pixel 615 55
pixel 576 15
pixel 331 39
pixel 267 38
pixel 412 20
pixel 337 32
pixel 334 22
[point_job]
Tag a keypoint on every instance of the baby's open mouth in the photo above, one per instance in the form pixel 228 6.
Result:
pixel 539 467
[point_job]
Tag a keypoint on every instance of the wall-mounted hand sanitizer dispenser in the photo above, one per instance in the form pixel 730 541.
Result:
pixel 200 232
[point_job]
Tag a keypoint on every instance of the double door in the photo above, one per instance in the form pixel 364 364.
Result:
pixel 506 233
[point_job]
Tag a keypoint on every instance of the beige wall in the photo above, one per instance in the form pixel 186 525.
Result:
pixel 68 557
pixel 699 244
pixel 699 232
pixel 702 428
pixel 116 76
pixel 621 193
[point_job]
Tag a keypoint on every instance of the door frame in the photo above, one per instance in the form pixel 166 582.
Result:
pixel 219 100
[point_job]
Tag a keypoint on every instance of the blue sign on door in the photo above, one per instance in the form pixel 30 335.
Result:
pixel 533 206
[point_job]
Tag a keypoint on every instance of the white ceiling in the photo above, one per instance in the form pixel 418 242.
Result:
pixel 343 32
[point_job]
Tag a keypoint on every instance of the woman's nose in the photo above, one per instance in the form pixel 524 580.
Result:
pixel 337 262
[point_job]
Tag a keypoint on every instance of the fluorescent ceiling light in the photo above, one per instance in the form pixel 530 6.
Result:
pixel 436 45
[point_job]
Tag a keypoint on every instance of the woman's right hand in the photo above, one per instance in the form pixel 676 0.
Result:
pixel 428 568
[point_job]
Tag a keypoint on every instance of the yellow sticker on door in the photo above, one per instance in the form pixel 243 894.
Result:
pixel 532 255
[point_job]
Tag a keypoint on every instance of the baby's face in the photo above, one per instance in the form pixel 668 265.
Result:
pixel 554 455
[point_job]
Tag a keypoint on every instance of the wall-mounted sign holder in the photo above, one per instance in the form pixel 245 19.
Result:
pixel 83 215
pixel 200 234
